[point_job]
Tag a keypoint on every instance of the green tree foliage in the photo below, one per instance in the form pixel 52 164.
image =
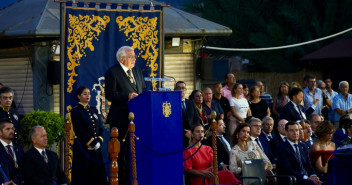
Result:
pixel 270 23
pixel 52 122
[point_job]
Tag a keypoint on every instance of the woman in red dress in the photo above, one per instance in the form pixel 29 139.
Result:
pixel 322 149
pixel 199 159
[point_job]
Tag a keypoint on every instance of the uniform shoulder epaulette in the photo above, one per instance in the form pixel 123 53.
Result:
pixel 74 108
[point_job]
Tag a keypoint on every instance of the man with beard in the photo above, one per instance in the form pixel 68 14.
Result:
pixel 311 94
pixel 10 152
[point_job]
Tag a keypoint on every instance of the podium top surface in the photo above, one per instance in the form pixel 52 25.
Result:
pixel 145 93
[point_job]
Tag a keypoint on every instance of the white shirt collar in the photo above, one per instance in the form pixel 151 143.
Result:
pixel 5 144
pixel 124 67
pixel 292 144
pixel 39 150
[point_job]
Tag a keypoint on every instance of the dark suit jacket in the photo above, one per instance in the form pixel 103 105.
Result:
pixel 223 155
pixel 37 172
pixel 275 144
pixel 4 165
pixel 289 113
pixel 117 88
pixel 287 162
pixel 264 136
pixel 189 119
pixel 267 149
pixel 13 172
pixel 339 136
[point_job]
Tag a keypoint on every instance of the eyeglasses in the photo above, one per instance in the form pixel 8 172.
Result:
pixel 131 57
pixel 257 126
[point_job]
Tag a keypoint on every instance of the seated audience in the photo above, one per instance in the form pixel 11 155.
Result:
pixel 268 127
pixel 279 138
pixel 223 146
pixel 348 128
pixel 244 148
pixel 322 149
pixel 340 133
pixel 199 159
pixel 263 143
pixel 40 165
pixel 305 133
pixel 280 100
pixel 293 159
pixel 197 97
pixel 239 108
pixel 259 108
pixel 315 120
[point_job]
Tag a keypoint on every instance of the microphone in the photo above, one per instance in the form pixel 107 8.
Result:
pixel 172 78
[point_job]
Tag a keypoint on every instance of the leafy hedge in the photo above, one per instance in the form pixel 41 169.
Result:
pixel 52 122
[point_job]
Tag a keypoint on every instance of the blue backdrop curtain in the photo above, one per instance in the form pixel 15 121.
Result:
pixel 92 35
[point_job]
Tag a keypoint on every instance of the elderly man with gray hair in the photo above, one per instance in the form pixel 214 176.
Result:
pixel 268 126
pixel 342 103
pixel 263 143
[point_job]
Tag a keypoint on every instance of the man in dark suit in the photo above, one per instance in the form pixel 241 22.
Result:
pixel 223 146
pixel 123 82
pixel 279 138
pixel 9 151
pixel 293 158
pixel 8 112
pixel 41 166
pixel 4 172
pixel 268 127
pixel 263 143
pixel 293 110
pixel 190 115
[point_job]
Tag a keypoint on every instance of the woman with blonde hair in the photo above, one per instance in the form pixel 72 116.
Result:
pixel 239 107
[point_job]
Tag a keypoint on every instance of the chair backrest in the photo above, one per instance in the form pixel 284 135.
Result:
pixel 253 168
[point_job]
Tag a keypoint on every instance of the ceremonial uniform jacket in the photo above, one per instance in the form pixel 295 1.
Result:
pixel 13 116
pixel 87 163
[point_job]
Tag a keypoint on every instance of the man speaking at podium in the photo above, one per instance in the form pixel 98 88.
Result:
pixel 123 82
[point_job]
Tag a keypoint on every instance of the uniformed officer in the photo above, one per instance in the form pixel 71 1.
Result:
pixel 8 112
pixel 88 128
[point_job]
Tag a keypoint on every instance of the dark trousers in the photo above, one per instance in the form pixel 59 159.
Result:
pixel 124 163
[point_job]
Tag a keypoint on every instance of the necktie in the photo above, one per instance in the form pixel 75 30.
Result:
pixel 300 112
pixel 10 152
pixel 183 106
pixel 261 147
pixel 298 156
pixel 221 138
pixel 44 156
pixel 269 137
pixel 129 74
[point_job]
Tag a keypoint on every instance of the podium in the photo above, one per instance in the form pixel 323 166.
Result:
pixel 158 122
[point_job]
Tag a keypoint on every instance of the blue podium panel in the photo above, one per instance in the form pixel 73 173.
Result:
pixel 158 120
